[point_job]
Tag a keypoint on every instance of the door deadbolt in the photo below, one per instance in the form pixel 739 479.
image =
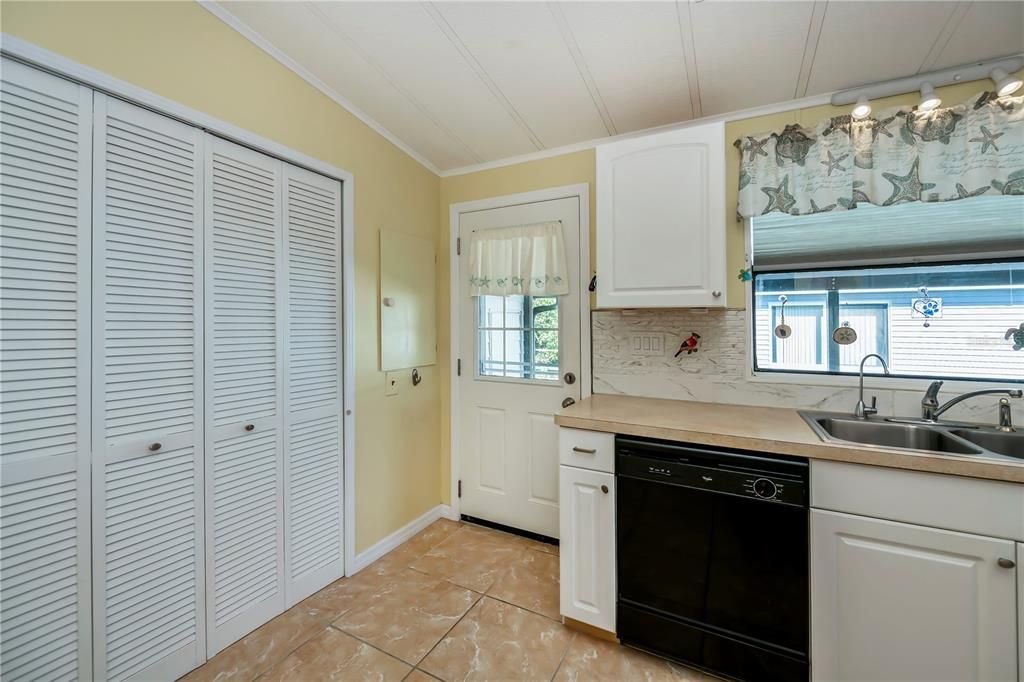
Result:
pixel 570 378
pixel 567 402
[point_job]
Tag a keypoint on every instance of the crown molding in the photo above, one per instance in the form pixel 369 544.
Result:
pixel 259 41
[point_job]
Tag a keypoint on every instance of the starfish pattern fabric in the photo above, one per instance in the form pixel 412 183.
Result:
pixel 900 155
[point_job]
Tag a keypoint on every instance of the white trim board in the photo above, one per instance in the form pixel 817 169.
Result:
pixel 582 192
pixel 403 534
pixel 24 51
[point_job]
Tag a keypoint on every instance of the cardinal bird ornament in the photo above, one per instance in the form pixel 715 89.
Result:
pixel 689 345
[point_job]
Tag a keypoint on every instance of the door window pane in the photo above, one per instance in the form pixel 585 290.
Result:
pixel 518 338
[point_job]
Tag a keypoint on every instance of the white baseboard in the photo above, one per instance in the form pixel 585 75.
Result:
pixel 385 545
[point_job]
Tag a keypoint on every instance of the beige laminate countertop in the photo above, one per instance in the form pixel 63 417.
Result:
pixel 766 429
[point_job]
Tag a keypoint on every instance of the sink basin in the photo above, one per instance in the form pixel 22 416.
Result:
pixel 1010 444
pixel 886 434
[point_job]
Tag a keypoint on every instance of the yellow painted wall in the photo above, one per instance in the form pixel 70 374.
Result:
pixel 181 51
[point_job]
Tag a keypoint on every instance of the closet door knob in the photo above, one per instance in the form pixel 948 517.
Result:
pixel 250 427
pixel 154 447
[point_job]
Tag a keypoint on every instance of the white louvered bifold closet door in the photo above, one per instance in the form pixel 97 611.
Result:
pixel 45 168
pixel 244 396
pixel 313 451
pixel 148 568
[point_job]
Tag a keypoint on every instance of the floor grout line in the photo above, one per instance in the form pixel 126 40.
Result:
pixel 565 653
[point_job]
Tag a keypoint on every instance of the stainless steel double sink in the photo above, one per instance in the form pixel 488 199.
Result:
pixel 948 439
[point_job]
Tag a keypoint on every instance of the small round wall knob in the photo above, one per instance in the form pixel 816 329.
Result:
pixel 154 447
pixel 250 427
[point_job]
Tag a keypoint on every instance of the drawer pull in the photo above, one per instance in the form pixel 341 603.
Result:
pixel 585 451
pixel 250 427
pixel 154 447
pixel 1006 563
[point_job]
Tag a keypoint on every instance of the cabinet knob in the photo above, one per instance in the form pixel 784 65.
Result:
pixel 250 427
pixel 1006 563
pixel 716 293
pixel 604 489
pixel 154 447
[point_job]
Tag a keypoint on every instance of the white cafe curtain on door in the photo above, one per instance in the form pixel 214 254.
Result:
pixel 526 260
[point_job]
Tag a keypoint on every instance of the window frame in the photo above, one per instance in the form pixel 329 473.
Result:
pixel 841 379
pixel 557 379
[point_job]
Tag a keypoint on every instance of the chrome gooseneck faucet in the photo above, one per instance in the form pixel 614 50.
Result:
pixel 931 410
pixel 863 411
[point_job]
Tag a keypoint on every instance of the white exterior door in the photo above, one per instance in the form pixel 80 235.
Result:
pixel 520 359
pixel 892 601
pixel 148 568
pixel 588 547
pixel 244 392
pixel 45 198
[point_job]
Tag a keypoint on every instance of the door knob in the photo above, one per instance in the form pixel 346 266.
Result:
pixel 570 378
pixel 1006 563
pixel 567 402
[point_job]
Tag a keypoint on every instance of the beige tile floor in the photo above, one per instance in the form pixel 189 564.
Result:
pixel 456 602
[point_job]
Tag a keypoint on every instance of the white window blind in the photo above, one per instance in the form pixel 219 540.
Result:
pixel 971 229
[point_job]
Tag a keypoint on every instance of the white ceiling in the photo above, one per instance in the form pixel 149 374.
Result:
pixel 463 83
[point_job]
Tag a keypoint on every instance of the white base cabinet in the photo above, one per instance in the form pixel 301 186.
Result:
pixel 587 551
pixel 894 601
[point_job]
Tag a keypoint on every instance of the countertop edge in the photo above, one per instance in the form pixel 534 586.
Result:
pixel 939 464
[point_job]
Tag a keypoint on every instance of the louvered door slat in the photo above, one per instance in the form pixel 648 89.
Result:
pixel 245 525
pixel 148 509
pixel 45 167
pixel 313 443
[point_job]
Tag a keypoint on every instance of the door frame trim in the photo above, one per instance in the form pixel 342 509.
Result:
pixel 33 55
pixel 582 192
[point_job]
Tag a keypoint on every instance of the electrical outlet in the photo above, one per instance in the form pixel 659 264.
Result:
pixel 647 344
pixel 391 383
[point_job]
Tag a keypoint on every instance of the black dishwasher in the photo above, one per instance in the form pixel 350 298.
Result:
pixel 712 557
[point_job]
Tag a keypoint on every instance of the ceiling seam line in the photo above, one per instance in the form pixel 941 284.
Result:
pixel 952 23
pixel 814 29
pixel 693 49
pixel 409 96
pixel 581 66
pixel 482 74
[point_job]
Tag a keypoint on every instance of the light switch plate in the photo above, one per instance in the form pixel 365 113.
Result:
pixel 647 344
pixel 391 380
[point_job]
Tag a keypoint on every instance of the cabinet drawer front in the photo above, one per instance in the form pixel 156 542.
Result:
pixel 587 449
pixel 969 505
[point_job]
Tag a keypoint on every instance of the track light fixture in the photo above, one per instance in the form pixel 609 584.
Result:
pixel 929 99
pixel 1005 83
pixel 862 109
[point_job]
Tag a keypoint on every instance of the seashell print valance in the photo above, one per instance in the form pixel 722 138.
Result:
pixel 528 260
pixel 900 155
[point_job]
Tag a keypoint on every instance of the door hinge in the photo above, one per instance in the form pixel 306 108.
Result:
pixel 460 488
pixel 458 367
pixel 458 246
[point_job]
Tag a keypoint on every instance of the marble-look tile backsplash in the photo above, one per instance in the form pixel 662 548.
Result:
pixel 633 354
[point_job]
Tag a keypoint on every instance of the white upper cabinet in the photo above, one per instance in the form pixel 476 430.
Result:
pixel 661 220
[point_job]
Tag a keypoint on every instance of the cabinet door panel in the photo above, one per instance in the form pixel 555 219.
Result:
pixel 587 553
pixel 244 389
pixel 660 220
pixel 45 199
pixel 891 601
pixel 148 615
